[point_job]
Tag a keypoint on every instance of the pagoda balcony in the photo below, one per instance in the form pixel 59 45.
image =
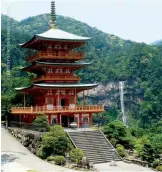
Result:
pixel 54 55
pixel 56 78
pixel 57 109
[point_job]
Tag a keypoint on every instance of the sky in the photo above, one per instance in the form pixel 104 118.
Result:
pixel 136 20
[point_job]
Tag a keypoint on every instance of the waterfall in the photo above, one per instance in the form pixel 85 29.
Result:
pixel 121 89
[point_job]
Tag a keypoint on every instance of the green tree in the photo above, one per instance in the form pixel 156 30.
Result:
pixel 41 123
pixel 76 155
pixel 55 142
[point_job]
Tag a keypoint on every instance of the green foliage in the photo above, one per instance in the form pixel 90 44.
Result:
pixel 51 158
pixel 155 163
pixel 159 168
pixel 55 142
pixel 76 155
pixel 121 151
pixel 41 152
pixel 113 141
pixel 156 140
pixel 119 145
pixel 59 160
pixel 106 117
pixel 149 153
pixel 41 123
pixel 117 132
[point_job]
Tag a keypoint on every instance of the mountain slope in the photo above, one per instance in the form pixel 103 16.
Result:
pixel 158 42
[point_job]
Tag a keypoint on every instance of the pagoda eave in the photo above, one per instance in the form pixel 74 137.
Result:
pixel 44 86
pixel 38 65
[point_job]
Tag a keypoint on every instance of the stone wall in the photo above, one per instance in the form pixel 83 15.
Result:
pixel 28 138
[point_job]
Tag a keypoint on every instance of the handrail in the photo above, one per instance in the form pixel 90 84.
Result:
pixel 56 77
pixel 110 144
pixel 53 54
pixel 71 139
pixel 55 109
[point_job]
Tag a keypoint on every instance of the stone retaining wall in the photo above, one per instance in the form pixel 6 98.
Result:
pixel 28 138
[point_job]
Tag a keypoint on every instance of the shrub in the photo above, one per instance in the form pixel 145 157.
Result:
pixel 76 155
pixel 156 140
pixel 51 158
pixel 113 141
pixel 42 153
pixel 116 129
pixel 121 151
pixel 59 160
pixel 55 142
pixel 41 123
pixel 155 163
pixel 119 145
pixel 138 148
pixel 149 153
pixel 159 168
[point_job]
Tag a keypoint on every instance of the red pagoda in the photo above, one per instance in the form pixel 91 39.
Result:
pixel 55 87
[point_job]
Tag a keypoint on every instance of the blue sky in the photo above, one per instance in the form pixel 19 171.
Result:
pixel 137 20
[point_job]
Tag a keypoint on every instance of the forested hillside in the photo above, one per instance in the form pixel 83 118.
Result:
pixel 115 59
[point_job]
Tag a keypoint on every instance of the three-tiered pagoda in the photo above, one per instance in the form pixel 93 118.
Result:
pixel 55 87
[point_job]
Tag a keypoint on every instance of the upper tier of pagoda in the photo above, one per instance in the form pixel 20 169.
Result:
pixel 55 37
pixel 55 60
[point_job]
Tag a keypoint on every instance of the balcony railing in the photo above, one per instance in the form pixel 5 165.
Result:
pixel 56 78
pixel 54 55
pixel 57 109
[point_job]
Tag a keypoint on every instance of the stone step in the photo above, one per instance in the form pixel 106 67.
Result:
pixel 94 145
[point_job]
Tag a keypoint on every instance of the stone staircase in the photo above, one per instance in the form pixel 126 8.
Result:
pixel 95 146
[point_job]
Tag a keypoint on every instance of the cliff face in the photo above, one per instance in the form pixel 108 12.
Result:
pixel 109 95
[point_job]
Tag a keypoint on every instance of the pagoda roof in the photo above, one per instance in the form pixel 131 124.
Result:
pixel 58 85
pixel 55 34
pixel 81 63
pixel 77 85
pixel 38 64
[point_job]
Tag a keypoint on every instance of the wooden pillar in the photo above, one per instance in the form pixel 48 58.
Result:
pixel 90 119
pixel 58 101
pixel 49 119
pixel 20 120
pixel 83 98
pixel 24 100
pixel 60 120
pixel 75 98
pixel 80 120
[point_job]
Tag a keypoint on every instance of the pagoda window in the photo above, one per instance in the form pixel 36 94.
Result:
pixel 65 47
pixel 49 92
pixel 58 71
pixel 49 70
pixel 71 92
pixel 63 92
pixel 67 71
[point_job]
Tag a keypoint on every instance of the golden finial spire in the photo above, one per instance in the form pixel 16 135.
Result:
pixel 53 16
